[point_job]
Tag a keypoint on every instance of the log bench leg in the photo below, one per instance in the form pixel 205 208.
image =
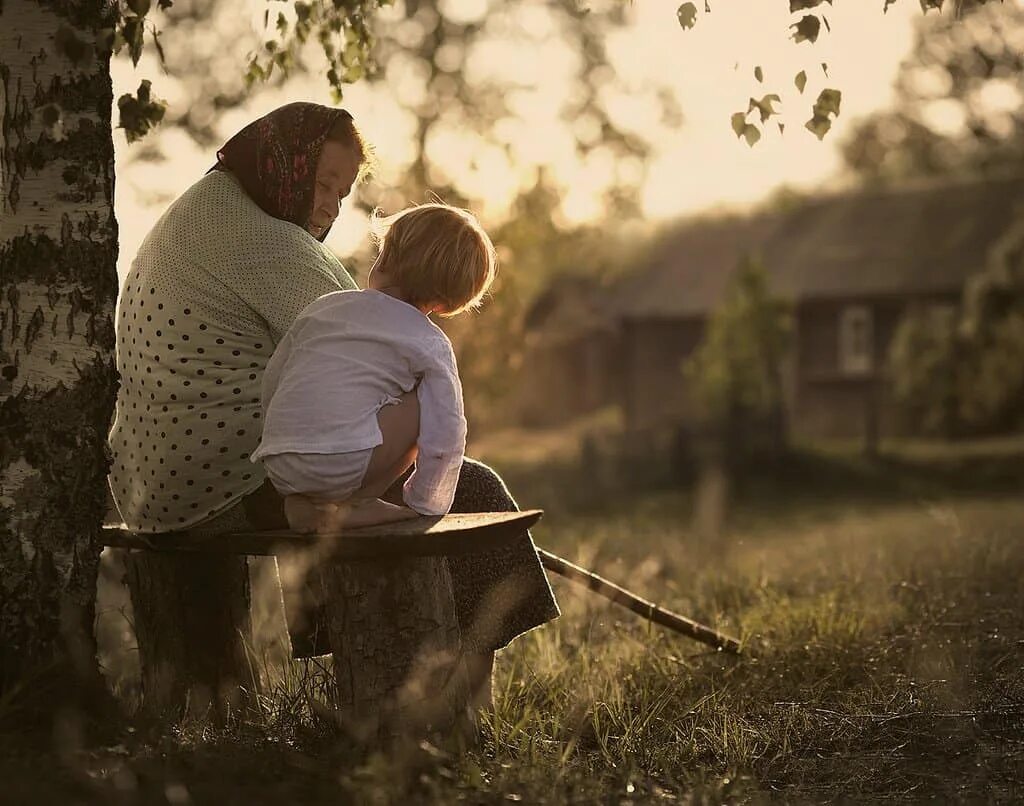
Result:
pixel 397 650
pixel 192 621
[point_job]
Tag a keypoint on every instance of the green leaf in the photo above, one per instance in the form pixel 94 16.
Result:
pixel 687 15
pixel 782 128
pixel 764 106
pixel 828 102
pixel 739 123
pixel 825 108
pixel 752 134
pixel 801 81
pixel 824 69
pixel 163 5
pixel 139 113
pixel 253 73
pixel 133 34
pixel 807 29
pixel 139 7
pixel 801 5
pixel 928 5
pixel 352 54
pixel 819 126
pixel 759 74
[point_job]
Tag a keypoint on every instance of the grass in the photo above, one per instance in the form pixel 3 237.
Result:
pixel 882 660
pixel 884 641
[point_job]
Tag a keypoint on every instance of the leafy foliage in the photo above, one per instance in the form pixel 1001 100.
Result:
pixel 736 370
pixel 825 108
pixel 346 33
pixel 140 112
pixel 958 372
pixel 342 29
pixel 806 29
pixel 923 367
pixel 687 14
pixel 959 102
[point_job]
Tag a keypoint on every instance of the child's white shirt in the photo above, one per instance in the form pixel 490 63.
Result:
pixel 348 354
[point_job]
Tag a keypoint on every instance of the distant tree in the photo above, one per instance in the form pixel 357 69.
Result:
pixel 959 108
pixel 959 102
pixel 924 368
pixel 735 374
pixel 535 250
pixel 961 372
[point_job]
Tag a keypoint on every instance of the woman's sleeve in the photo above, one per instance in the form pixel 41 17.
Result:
pixel 430 489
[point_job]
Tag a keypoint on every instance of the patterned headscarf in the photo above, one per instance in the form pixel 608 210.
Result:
pixel 275 158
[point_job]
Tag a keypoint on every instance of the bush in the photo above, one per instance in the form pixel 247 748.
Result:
pixel 735 374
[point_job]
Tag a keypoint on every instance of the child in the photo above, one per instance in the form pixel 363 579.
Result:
pixel 363 383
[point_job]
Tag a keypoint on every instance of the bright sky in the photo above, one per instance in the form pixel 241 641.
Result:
pixel 700 165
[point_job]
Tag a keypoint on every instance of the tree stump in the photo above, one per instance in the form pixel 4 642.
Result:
pixel 397 649
pixel 192 621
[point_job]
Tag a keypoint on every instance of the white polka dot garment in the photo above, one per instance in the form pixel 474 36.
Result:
pixel 213 288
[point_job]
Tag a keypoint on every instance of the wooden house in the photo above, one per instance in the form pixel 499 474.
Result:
pixel 850 263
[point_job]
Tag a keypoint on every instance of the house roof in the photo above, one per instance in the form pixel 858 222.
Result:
pixel 570 306
pixel 924 238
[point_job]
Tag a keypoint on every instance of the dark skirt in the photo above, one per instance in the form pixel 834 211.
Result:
pixel 499 594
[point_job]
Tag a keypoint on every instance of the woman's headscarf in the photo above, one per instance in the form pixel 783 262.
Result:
pixel 275 158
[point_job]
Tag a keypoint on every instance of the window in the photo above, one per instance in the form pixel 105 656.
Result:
pixel 856 340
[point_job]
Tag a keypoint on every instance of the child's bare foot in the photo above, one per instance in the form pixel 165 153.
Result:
pixel 372 511
pixel 306 515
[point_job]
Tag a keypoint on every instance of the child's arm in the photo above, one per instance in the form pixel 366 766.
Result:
pixel 430 489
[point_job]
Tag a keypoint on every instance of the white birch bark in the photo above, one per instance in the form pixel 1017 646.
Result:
pixel 58 284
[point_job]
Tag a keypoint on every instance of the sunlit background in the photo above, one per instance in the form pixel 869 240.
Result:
pixel 598 143
pixel 673 89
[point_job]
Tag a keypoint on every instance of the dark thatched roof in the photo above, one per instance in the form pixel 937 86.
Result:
pixel 920 239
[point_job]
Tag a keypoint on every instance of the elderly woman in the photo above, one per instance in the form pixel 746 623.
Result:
pixel 214 286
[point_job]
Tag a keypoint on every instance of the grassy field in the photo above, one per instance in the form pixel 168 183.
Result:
pixel 881 605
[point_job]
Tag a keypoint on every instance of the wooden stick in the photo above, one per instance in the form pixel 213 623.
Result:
pixel 631 601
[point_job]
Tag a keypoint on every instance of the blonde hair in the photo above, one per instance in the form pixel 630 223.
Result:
pixel 436 253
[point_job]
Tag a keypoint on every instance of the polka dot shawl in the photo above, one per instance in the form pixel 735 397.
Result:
pixel 213 288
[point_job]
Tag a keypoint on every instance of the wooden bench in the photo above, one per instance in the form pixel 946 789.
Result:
pixel 392 626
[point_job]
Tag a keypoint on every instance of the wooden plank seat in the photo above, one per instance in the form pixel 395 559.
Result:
pixel 452 534
pixel 399 665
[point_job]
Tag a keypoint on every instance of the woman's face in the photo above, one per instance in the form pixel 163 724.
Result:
pixel 335 173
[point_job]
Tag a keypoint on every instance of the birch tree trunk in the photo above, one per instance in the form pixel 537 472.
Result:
pixel 58 284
